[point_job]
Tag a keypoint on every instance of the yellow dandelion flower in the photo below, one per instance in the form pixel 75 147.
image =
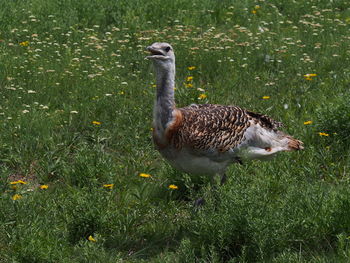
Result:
pixel 16 197
pixel 189 85
pixel 144 175
pixel 24 43
pixel 108 186
pixel 96 123
pixel 18 182
pixel 191 68
pixel 309 76
pixel 172 186
pixel 189 78
pixel 265 97
pixel 202 96
pixel 90 238
pixel 307 122
pixel 43 186
pixel 323 134
pixel 154 86
pixel 253 12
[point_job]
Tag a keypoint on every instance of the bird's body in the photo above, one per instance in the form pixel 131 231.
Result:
pixel 207 138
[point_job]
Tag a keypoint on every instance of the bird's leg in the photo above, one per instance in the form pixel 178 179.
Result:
pixel 201 201
pixel 239 160
pixel 218 179
pixel 223 179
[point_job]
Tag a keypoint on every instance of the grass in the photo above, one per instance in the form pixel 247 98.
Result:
pixel 76 112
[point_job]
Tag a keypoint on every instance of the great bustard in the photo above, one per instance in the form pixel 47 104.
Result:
pixel 207 138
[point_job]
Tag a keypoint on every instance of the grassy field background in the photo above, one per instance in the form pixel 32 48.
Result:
pixel 75 131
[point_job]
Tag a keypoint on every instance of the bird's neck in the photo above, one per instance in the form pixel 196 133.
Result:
pixel 165 102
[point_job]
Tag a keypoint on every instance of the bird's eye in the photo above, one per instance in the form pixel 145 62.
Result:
pixel 167 49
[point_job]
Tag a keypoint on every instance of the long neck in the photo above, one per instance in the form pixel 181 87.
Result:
pixel 165 102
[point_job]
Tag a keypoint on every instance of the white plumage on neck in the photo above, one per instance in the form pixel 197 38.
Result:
pixel 165 102
pixel 163 59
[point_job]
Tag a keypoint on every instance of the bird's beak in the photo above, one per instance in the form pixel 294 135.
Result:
pixel 155 53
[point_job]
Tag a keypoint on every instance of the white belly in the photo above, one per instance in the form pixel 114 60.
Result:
pixel 194 164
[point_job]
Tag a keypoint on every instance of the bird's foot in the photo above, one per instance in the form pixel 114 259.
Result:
pixel 199 202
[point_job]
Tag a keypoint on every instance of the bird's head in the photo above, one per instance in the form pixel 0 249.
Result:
pixel 162 55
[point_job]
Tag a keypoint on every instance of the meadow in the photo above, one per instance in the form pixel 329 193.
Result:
pixel 80 178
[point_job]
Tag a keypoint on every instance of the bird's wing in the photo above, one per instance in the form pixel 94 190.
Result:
pixel 265 121
pixel 212 127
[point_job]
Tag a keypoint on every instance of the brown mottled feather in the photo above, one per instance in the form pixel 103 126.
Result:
pixel 210 126
pixel 265 121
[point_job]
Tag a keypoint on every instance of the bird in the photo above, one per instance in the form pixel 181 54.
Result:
pixel 206 139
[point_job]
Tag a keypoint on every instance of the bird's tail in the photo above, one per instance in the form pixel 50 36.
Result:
pixel 265 143
pixel 294 144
